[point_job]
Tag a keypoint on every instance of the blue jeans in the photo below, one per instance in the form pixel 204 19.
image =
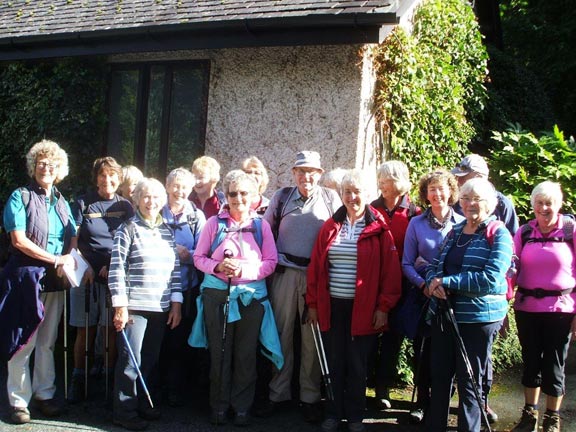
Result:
pixel 447 361
pixel 145 331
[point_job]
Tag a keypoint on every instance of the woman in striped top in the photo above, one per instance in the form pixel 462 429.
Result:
pixel 144 281
pixel 353 282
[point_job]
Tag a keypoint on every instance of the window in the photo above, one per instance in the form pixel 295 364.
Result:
pixel 157 114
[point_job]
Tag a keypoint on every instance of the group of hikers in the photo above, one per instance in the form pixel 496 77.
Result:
pixel 208 287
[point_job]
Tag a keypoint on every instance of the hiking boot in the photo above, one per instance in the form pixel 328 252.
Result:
pixel 20 415
pixel 265 408
pixel 242 419
pixel 311 412
pixel 48 407
pixel 384 402
pixel 218 417
pixel 149 413
pixel 417 416
pixel 76 389
pixel 528 421
pixel 356 427
pixel 329 425
pixel 551 422
pixel 491 415
pixel 134 423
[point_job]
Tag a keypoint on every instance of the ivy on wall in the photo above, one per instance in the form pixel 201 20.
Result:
pixel 63 101
pixel 430 91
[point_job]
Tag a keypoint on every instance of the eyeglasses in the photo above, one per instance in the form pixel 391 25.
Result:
pixel 234 194
pixel 253 172
pixel 472 200
pixel 49 165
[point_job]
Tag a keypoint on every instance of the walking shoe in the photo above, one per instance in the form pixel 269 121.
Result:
pixel 218 417
pixel 76 389
pixel 329 425
pixel 134 423
pixel 20 415
pixel 149 413
pixel 311 412
pixel 48 407
pixel 491 415
pixel 264 409
pixel 356 427
pixel 528 421
pixel 417 416
pixel 242 419
pixel 551 422
pixel 384 402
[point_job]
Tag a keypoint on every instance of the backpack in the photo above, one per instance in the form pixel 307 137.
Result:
pixel 285 193
pixel 491 229
pixel 5 241
pixel 191 220
pixel 567 229
pixel 222 230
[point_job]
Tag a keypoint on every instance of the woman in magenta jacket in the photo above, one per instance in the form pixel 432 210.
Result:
pixel 353 282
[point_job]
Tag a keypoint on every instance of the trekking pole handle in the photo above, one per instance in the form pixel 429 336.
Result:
pixel 228 253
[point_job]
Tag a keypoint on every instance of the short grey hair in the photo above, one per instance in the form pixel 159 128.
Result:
pixel 50 150
pixel 398 172
pixel 549 190
pixel 253 161
pixel 181 173
pixel 238 176
pixel 148 184
pixel 355 177
pixel 484 189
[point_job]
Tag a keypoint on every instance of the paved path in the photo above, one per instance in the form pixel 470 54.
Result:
pixel 507 400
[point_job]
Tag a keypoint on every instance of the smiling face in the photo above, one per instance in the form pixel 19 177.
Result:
pixel 388 190
pixel 107 182
pixel 354 199
pixel 205 184
pixel 474 207
pixel 45 172
pixel 306 179
pixel 150 202
pixel 178 191
pixel 546 211
pixel 438 194
pixel 239 196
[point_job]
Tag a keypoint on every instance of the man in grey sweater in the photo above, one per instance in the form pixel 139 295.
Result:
pixel 296 215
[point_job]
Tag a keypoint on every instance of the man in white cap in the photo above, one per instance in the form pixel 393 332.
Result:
pixel 469 167
pixel 296 214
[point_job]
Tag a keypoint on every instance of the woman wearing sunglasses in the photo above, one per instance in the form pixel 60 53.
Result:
pixel 236 251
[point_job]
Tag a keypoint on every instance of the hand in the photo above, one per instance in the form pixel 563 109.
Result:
pixel 103 273
pixel 88 277
pixel 380 319
pixel 175 315
pixel 312 317
pixel 230 267
pixel 439 292
pixel 183 253
pixel 120 318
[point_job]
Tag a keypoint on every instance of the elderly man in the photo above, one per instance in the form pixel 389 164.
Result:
pixel 470 167
pixel 296 214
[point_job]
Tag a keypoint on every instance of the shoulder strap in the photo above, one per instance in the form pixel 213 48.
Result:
pixel 25 194
pixel 491 229
pixel 192 220
pixel 221 233
pixel 525 233
pixel 257 224
pixel 412 210
pixel 279 214
pixel 327 200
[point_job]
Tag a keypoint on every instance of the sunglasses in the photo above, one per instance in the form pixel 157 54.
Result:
pixel 234 194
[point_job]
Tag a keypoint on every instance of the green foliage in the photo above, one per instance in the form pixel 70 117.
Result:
pixel 58 100
pixel 430 86
pixel 522 160
pixel 506 351
pixel 541 34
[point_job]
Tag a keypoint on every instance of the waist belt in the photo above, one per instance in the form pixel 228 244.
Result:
pixel 541 292
pixel 300 261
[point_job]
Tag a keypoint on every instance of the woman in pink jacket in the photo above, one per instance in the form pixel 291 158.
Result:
pixel 545 304
pixel 353 282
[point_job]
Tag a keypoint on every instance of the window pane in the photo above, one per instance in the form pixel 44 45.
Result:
pixel 154 123
pixel 187 117
pixel 122 124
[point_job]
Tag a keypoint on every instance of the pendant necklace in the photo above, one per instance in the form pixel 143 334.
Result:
pixel 466 243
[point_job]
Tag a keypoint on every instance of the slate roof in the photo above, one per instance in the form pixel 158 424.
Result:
pixel 27 23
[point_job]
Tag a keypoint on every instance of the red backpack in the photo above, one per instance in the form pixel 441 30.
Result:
pixel 491 229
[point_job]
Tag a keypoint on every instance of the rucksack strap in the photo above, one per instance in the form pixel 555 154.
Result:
pixel 255 228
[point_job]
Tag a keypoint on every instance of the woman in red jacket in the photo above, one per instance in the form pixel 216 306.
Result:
pixel 353 282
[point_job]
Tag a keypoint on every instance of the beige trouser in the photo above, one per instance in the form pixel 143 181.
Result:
pixel 287 297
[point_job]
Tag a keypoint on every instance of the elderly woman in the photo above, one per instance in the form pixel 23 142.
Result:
pixel 42 230
pixel 131 175
pixel 186 223
pixel 469 276
pixel 236 252
pixel 353 283
pixel 545 304
pixel 254 167
pixel 144 281
pixel 395 206
pixel 425 234
pixel 98 214
pixel 204 195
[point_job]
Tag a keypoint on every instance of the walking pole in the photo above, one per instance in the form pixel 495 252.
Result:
pixel 322 360
pixel 418 368
pixel 227 254
pixel 65 346
pixel 462 348
pixel 86 315
pixel 135 363
pixel 106 343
